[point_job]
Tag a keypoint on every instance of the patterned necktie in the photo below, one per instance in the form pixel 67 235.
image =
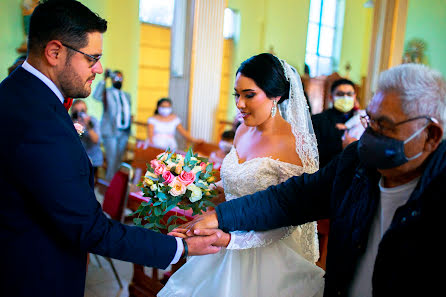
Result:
pixel 67 103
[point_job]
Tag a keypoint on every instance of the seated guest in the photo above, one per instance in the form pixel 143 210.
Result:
pixel 331 138
pixel 225 145
pixel 163 126
pixel 91 137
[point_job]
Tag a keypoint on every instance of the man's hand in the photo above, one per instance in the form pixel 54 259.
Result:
pixel 223 241
pixel 347 139
pixel 203 245
pixel 206 221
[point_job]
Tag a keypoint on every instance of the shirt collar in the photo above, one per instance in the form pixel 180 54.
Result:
pixel 44 79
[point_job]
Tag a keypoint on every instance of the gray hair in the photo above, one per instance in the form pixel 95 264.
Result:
pixel 422 90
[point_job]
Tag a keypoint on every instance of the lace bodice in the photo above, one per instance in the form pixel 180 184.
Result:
pixel 255 175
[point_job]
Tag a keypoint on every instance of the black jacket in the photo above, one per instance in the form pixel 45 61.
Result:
pixel 329 138
pixel 410 253
pixel 49 216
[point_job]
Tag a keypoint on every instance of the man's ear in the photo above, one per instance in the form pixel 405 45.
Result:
pixel 53 52
pixel 434 137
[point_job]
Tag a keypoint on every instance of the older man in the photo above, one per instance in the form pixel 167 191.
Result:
pixel 384 195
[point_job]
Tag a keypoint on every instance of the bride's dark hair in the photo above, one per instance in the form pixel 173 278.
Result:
pixel 267 72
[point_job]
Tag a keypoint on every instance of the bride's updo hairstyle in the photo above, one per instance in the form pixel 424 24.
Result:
pixel 267 72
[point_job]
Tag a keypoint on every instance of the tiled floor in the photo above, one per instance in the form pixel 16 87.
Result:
pixel 101 281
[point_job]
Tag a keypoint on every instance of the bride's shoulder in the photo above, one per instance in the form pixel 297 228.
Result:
pixel 284 148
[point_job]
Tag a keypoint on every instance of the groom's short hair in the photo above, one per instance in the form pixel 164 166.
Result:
pixel 68 21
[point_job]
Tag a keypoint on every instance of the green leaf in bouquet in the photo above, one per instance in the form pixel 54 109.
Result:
pixel 157 211
pixel 186 168
pixel 161 179
pixel 171 227
pixel 161 196
pixel 168 208
pixel 143 204
pixel 171 218
pixel 203 159
pixel 157 203
pixel 149 225
pixel 197 175
pixel 209 168
pixel 159 225
pixel 206 176
pixel 183 218
pixel 149 168
pixel 137 221
pixel 201 185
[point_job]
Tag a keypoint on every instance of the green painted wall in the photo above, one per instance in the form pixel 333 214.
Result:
pixel 428 22
pixel 356 36
pixel 121 41
pixel 11 34
pixel 265 24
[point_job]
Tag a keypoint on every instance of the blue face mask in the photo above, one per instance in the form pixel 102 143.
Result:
pixel 382 152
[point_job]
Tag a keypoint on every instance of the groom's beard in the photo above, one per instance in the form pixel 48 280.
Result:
pixel 72 85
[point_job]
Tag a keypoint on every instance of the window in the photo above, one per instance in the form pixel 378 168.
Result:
pixel 156 12
pixel 324 36
pixel 230 23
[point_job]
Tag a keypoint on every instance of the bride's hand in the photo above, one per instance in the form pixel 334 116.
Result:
pixel 222 241
pixel 178 232
pixel 206 221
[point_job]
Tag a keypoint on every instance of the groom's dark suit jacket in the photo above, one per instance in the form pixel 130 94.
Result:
pixel 49 216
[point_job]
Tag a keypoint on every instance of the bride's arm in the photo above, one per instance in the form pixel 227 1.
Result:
pixel 253 239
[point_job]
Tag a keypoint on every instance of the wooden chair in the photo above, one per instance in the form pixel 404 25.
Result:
pixel 205 148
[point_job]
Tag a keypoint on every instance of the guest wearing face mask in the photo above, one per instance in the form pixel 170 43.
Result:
pixel 331 133
pixel 225 145
pixel 162 126
pixel 116 119
pixel 91 137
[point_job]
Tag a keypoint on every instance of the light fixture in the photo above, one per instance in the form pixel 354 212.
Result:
pixel 369 4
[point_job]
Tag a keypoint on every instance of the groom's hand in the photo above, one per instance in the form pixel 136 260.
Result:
pixel 203 245
pixel 206 221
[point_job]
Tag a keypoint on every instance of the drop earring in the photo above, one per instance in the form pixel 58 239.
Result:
pixel 274 109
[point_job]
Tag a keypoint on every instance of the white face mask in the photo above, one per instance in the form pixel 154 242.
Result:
pixel 164 111
pixel 225 146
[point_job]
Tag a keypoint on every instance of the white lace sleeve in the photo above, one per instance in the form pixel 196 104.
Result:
pixel 246 240
pixel 253 239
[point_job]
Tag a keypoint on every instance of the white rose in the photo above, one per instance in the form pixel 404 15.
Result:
pixel 196 169
pixel 153 188
pixel 196 193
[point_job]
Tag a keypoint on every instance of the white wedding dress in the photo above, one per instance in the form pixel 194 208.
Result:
pixel 273 263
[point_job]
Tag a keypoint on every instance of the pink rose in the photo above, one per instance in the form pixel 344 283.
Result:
pixel 168 177
pixel 186 177
pixel 160 169
pixel 155 163
pixel 178 188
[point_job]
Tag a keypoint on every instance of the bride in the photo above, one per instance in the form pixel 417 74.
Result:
pixel 269 147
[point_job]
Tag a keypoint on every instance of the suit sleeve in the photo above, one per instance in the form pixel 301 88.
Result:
pixel 299 200
pixel 98 92
pixel 55 176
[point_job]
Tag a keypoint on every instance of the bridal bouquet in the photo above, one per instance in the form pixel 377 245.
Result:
pixel 173 180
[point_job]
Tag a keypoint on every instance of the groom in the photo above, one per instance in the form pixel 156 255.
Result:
pixel 49 215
